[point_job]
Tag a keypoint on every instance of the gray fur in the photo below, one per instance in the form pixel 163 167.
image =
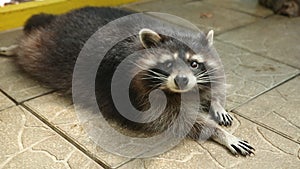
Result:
pixel 290 8
pixel 49 53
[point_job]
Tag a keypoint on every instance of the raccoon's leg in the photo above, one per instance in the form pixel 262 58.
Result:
pixel 220 115
pixel 234 144
pixel 205 129
pixel 8 51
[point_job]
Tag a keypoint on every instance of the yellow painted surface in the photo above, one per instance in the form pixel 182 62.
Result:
pixel 13 16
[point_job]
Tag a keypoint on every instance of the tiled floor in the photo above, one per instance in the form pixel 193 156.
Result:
pixel 260 52
pixel 28 143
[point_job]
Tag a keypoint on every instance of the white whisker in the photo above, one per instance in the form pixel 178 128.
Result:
pixel 211 77
pixel 205 81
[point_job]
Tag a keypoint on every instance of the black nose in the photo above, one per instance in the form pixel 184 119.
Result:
pixel 181 81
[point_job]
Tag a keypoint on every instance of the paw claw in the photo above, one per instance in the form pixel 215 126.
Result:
pixel 230 117
pixel 245 143
pixel 223 118
pixel 242 148
pixel 220 115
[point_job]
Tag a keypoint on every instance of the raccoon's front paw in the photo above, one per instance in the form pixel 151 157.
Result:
pixel 240 147
pixel 221 116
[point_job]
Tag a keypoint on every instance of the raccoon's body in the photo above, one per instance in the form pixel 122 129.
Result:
pixel 49 51
pixel 289 8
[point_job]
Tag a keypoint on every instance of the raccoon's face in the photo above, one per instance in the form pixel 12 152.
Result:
pixel 172 66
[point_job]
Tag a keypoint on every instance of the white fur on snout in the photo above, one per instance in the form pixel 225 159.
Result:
pixel 172 86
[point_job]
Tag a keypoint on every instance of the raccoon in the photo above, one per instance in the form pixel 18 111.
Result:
pixel 284 7
pixel 49 50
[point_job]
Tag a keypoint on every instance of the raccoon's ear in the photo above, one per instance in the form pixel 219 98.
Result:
pixel 149 38
pixel 210 37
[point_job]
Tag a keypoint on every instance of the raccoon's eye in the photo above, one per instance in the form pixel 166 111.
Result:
pixel 168 64
pixel 194 65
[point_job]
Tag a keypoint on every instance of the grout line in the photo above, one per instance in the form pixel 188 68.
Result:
pixel 265 126
pixel 238 27
pixel 259 19
pixel 253 52
pixel 34 97
pixel 21 102
pixel 269 16
pixel 265 91
pixel 5 108
pixel 123 163
pixel 251 14
pixel 9 97
pixel 62 134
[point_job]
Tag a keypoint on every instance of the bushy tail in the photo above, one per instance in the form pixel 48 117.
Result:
pixel 38 21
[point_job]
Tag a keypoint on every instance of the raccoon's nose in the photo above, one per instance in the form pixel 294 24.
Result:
pixel 181 81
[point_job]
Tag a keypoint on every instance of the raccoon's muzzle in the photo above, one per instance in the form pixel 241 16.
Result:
pixel 181 81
